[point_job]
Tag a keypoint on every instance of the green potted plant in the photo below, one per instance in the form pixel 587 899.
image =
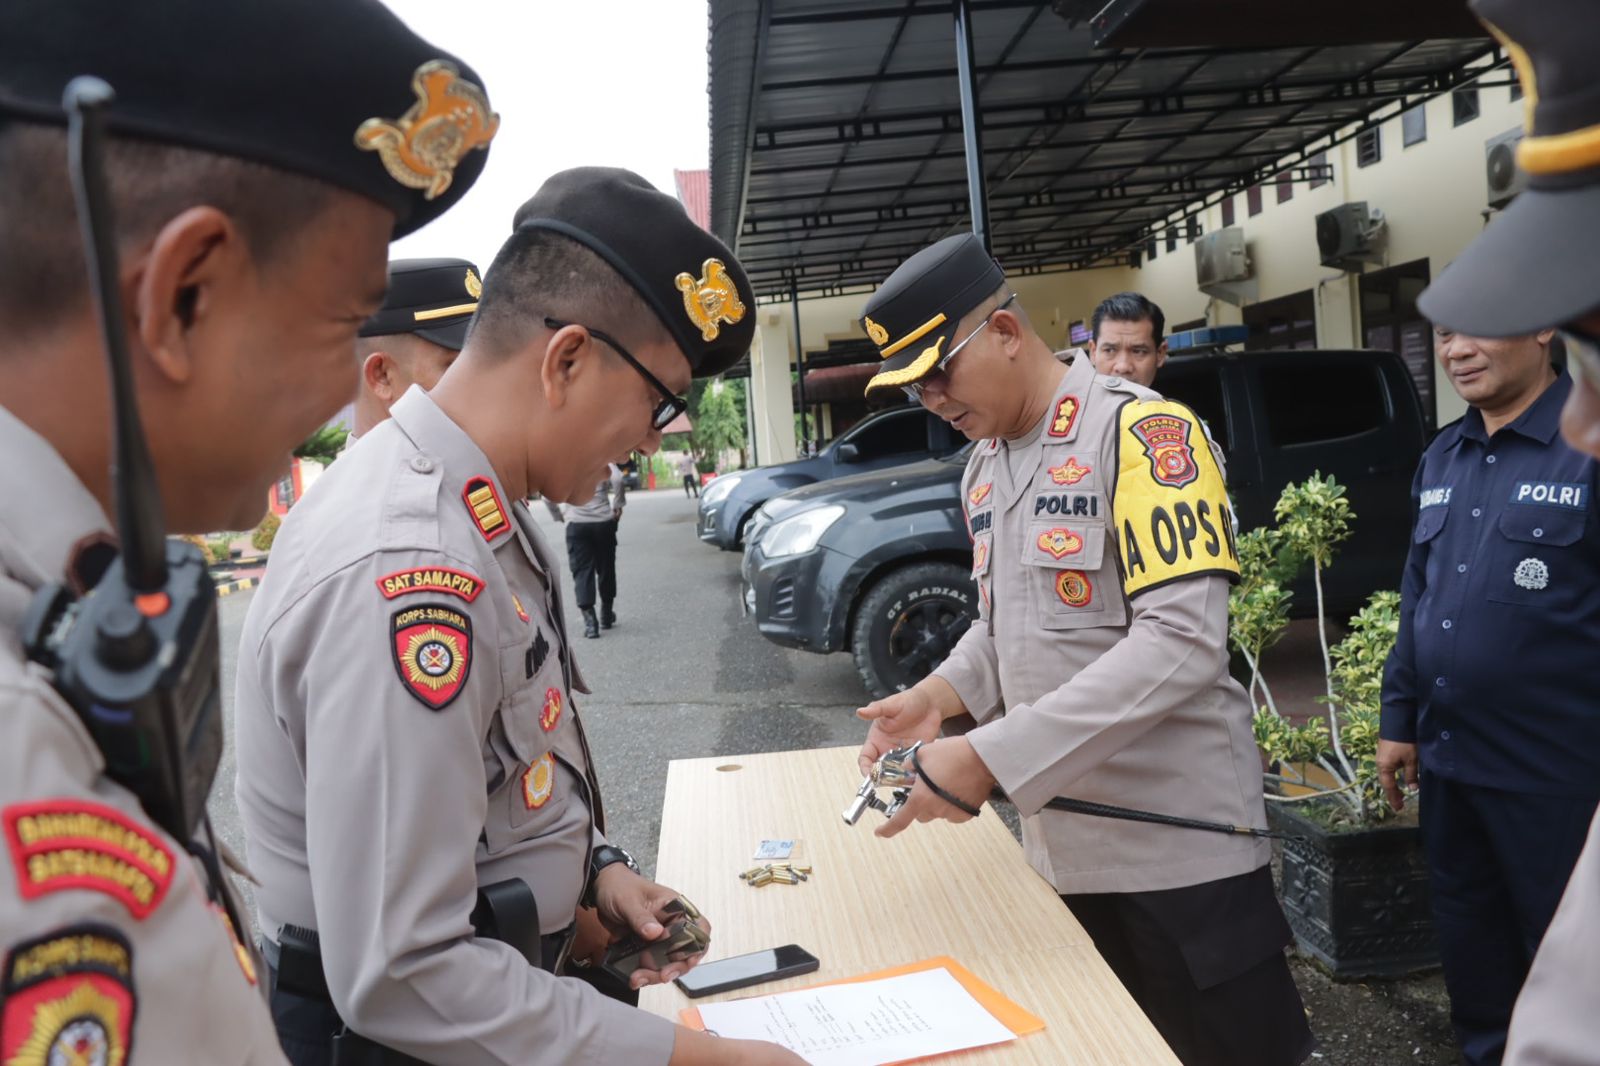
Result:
pixel 1354 884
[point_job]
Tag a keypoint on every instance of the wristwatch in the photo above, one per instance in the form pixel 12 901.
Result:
pixel 601 857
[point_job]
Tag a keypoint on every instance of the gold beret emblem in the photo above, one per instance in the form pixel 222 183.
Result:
pixel 879 335
pixel 474 286
pixel 422 148
pixel 711 299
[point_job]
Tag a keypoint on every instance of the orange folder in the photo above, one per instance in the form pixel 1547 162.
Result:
pixel 1008 1013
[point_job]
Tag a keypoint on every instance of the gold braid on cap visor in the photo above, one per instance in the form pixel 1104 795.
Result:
pixel 1550 153
pixel 913 370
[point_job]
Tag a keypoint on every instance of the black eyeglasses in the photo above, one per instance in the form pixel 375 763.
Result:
pixel 914 390
pixel 671 405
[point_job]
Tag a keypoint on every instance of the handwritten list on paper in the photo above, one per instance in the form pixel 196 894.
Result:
pixel 864 1024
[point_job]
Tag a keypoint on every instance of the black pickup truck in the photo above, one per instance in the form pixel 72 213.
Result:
pixel 879 564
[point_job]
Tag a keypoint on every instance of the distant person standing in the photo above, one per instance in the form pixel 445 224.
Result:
pixel 691 479
pixel 592 548
pixel 1127 341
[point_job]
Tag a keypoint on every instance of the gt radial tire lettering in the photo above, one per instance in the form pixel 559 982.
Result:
pixel 922 594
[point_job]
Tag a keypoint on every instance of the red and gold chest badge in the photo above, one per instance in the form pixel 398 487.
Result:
pixel 550 713
pixel 65 844
pixel 432 647
pixel 539 781
pixel 1069 472
pixel 1166 442
pixel 980 493
pixel 68 999
pixel 1074 588
pixel 431 579
pixel 980 556
pixel 1060 543
pixel 1065 418
pixel 488 512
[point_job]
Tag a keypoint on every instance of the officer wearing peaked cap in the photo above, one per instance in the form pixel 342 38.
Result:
pixel 1098 667
pixel 415 335
pixel 411 749
pixel 1533 269
pixel 258 167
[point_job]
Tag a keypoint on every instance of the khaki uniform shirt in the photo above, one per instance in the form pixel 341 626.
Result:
pixel 1103 569
pixel 406 735
pixel 608 499
pixel 109 939
pixel 1555 1023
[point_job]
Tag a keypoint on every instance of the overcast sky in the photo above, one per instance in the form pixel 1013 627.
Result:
pixel 603 82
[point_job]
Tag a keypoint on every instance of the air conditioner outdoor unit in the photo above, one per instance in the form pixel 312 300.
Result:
pixel 1222 266
pixel 1505 178
pixel 1351 234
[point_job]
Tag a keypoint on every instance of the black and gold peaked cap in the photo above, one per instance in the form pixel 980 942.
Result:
pixel 339 91
pixel 433 298
pixel 685 275
pixel 912 316
pixel 1532 268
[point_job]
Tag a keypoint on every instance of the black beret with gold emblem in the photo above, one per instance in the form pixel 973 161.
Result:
pixel 686 276
pixel 1533 267
pixel 433 298
pixel 339 91
pixel 912 316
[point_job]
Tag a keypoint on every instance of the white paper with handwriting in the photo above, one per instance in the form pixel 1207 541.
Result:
pixel 864 1024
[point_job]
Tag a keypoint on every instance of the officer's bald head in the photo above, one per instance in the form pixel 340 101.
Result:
pixel 43 278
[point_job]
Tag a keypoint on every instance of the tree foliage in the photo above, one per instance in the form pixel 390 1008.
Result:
pixel 324 444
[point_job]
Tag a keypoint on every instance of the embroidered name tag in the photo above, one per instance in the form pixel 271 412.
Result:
pixel 1568 494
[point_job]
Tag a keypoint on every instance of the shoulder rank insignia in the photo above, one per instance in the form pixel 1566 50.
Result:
pixel 539 782
pixel 488 512
pixel 422 148
pixel 65 843
pixel 241 954
pixel 980 493
pixel 550 713
pixel 1060 543
pixel 1069 472
pixel 430 579
pixel 1065 418
pixel 711 299
pixel 68 999
pixel 1074 589
pixel 1166 443
pixel 432 647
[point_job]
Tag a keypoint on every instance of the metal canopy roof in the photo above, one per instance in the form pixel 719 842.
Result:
pixel 837 144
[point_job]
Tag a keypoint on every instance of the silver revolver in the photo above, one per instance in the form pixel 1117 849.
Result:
pixel 892 770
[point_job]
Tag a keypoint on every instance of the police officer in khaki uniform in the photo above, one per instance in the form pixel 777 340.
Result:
pixel 411 755
pixel 415 336
pixel 1533 269
pixel 1102 548
pixel 253 231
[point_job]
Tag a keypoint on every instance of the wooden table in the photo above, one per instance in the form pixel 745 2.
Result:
pixel 936 889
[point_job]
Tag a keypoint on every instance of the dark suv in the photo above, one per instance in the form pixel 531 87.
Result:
pixel 879 564
pixel 894 437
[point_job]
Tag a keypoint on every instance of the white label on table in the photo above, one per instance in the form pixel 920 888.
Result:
pixel 864 1024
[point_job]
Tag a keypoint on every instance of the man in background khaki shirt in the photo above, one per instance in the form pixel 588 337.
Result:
pixel 252 232
pixel 1102 548
pixel 409 746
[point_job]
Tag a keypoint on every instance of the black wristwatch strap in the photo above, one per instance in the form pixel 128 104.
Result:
pixel 601 857
pixel 959 804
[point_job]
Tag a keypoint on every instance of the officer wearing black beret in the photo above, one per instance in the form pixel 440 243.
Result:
pixel 410 746
pixel 416 335
pixel 261 158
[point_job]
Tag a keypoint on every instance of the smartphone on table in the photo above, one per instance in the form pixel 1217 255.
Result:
pixel 742 971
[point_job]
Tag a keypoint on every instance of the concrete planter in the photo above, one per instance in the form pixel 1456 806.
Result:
pixel 1357 900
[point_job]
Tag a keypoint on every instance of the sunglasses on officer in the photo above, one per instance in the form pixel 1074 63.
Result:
pixel 914 390
pixel 671 405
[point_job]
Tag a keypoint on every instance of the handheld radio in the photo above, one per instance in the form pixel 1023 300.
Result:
pixel 137 656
